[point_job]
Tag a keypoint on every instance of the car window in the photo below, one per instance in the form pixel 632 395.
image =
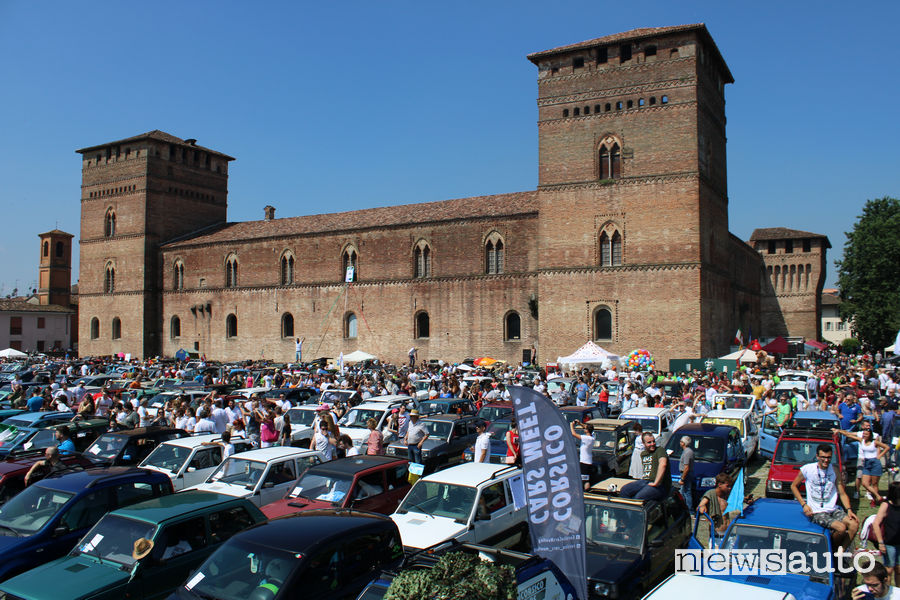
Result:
pixel 397 477
pixel 369 485
pixel 322 573
pixel 225 523
pixel 770 425
pixel 87 510
pixel 358 555
pixel 206 458
pixel 493 498
pixel 305 462
pixel 136 491
pixel 656 523
pixel 282 472
pixel 181 538
pixel 675 511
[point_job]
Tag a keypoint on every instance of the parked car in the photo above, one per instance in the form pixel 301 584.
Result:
pixel 742 420
pixel 188 461
pixel 348 397
pixel 448 437
pixel 446 406
pixel 183 530
pixel 353 423
pixel 39 419
pixel 302 418
pixel 658 421
pixel 264 475
pixel 471 502
pixel 613 446
pixel 492 411
pixel 13 470
pixel 631 543
pixel 802 419
pixel 795 448
pixel 17 441
pixel 371 483
pixel 682 585
pixel 717 449
pixel 742 401
pixel 298 396
pixel 314 555
pixel 47 518
pixel 580 413
pixel 497 445
pixel 130 446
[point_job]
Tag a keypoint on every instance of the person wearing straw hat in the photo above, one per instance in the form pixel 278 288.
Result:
pixel 142 547
pixel 416 434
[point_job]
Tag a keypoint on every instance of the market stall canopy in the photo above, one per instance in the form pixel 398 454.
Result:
pixel 777 346
pixel 12 353
pixel 590 353
pixel 745 356
pixel 358 356
pixel 815 344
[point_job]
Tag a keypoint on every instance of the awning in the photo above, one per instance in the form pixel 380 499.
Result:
pixel 815 344
pixel 590 353
pixel 777 346
pixel 357 356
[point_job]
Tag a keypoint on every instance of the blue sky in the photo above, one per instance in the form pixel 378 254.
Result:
pixel 342 105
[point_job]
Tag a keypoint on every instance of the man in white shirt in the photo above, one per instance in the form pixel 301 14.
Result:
pixel 823 489
pixel 219 415
pixel 482 443
pixel 204 423
pixel 585 451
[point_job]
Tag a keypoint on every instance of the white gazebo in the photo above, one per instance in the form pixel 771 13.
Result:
pixel 745 356
pixel 589 354
pixel 12 353
pixel 357 356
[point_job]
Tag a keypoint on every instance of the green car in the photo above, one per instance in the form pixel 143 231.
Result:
pixel 141 552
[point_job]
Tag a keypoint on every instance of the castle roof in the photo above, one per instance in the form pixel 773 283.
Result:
pixel 783 233
pixel 479 207
pixel 830 299
pixel 56 232
pixel 160 136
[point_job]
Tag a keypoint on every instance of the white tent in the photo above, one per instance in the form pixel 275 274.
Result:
pixel 357 356
pixel 589 354
pixel 12 353
pixel 464 367
pixel 891 348
pixel 745 356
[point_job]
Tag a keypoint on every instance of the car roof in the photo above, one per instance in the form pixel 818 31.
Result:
pixel 302 532
pixel 274 453
pixel 609 423
pixel 367 405
pixel 576 408
pixel 644 411
pixel 170 506
pixel 778 513
pixel 139 431
pixel 386 399
pixel 194 441
pixel 33 417
pixel 729 413
pixel 80 480
pixel 708 429
pixel 815 414
pixel 471 474
pixel 447 417
pixel 355 464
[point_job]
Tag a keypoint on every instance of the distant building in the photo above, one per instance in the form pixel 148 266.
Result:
pixel 834 329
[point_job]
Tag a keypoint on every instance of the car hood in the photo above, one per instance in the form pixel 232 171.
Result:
pixel 612 564
pixel 797 585
pixel 784 472
pixel 418 530
pixel 238 491
pixel 67 577
pixel 160 470
pixel 9 544
pixel 356 434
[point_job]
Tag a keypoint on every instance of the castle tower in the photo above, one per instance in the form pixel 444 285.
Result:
pixel 793 281
pixel 136 194
pixel 55 271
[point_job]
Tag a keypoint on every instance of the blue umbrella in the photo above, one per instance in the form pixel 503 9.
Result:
pixel 736 497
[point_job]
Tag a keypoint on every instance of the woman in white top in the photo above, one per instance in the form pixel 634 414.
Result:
pixel 636 469
pixel 871 452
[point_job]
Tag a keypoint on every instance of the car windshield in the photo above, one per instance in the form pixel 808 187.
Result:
pixel 611 524
pixel 167 457
pixel 734 401
pixel 239 471
pixel 15 422
pixel 30 509
pixel 498 429
pixel 737 423
pixel 650 424
pixel 332 397
pixel 706 448
pixel 809 423
pixel 331 488
pixel 799 452
pixel 573 415
pixel 753 537
pixel 492 413
pixel 554 386
pixel 438 429
pixel 10 436
pixel 357 417
pixel 113 539
pixel 237 569
pixel 301 417
pixel 107 445
pixel 605 439
pixel 440 499
pixel 422 386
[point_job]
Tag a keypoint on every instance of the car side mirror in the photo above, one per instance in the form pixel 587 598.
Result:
pixel 191 469
pixel 657 543
pixel 268 484
pixel 60 531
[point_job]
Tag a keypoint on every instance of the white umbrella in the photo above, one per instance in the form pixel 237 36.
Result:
pixel 12 353
pixel 745 356
pixel 357 356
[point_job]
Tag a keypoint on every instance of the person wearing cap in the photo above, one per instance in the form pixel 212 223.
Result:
pixel 482 443
pixel 416 434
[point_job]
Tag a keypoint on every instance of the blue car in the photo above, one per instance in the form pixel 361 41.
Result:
pixel 45 520
pixel 716 448
pixel 497 451
pixel 39 419
pixel 780 524
pixel 803 419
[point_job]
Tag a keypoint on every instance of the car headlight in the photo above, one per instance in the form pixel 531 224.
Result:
pixel 708 482
pixel 468 456
pixel 607 590
pixel 774 484
pixel 426 453
pixel 391 451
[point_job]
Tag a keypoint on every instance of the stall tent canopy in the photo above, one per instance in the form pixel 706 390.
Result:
pixel 777 346
pixel 11 353
pixel 358 356
pixel 590 353
pixel 745 356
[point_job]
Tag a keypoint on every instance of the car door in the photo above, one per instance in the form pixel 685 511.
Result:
pixel 202 464
pixel 178 548
pixel 368 493
pixel 275 482
pixel 62 532
pixel 624 450
pixel 768 436
pixel 655 542
pixel 397 481
pixel 751 436
pixel 494 515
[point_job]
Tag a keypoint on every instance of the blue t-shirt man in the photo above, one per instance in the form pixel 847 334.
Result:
pixel 849 414
pixel 66 447
pixel 35 403
pixel 581 392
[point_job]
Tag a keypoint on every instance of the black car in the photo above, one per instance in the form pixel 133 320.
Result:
pixel 316 555
pixel 448 437
pixel 130 446
pixel 297 395
pixel 631 543
pixel 613 446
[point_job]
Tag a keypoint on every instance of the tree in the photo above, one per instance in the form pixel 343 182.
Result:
pixel 869 274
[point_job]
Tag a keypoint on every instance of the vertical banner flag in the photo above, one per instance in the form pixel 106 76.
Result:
pixel 553 485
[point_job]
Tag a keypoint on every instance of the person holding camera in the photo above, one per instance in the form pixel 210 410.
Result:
pixel 585 451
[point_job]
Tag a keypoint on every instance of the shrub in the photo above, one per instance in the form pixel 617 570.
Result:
pixel 456 576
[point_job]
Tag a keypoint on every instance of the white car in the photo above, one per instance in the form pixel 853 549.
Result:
pixel 682 585
pixel 479 503
pixel 187 461
pixel 658 421
pixel 354 422
pixel 742 420
pixel 302 418
pixel 788 387
pixel 262 476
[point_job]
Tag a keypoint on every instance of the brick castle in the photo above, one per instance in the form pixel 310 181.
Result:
pixel 625 241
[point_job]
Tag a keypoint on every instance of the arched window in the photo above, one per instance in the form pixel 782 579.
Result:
pixel 792 278
pixel 610 160
pixel 175 327
pixel 610 253
pixel 231 271
pixel 423 325
pixel 231 326
pixel 116 328
pixel 178 275
pixel 602 324
pixel 109 280
pixel 493 254
pixel 349 269
pixel 95 328
pixel 777 281
pixel 287 269
pixel 46 248
pixel 512 326
pixel 808 271
pixel 350 329
pixel 287 325
pixel 59 249
pixel 422 260
pixel 109 223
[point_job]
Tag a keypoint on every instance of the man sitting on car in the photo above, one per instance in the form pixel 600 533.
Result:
pixel 823 489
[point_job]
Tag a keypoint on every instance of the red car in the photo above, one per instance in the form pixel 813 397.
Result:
pixel 370 483
pixel 492 411
pixel 13 471
pixel 795 448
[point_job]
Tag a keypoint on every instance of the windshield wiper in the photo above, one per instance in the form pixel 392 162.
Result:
pixel 11 530
pixel 421 510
